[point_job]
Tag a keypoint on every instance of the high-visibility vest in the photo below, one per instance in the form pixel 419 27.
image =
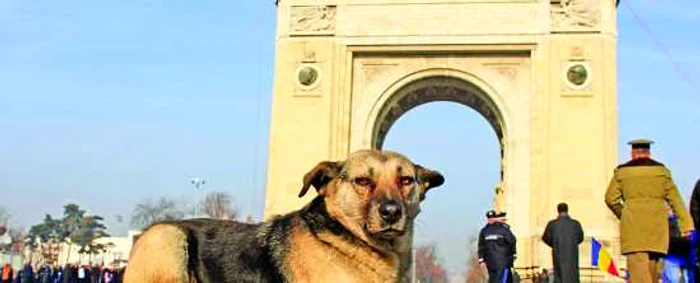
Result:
pixel 6 272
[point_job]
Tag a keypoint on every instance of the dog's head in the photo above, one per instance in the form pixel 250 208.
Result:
pixel 374 194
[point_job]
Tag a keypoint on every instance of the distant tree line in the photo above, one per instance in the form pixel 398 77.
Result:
pixel 148 212
pixel 78 228
pixel 75 227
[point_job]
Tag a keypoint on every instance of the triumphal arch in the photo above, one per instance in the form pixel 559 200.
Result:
pixel 541 72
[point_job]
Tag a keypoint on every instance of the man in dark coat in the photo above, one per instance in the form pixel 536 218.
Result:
pixel 28 274
pixel 69 275
pixel 563 235
pixel 695 214
pixel 695 204
pixel 497 250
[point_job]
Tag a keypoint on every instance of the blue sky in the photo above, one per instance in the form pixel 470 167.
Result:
pixel 106 103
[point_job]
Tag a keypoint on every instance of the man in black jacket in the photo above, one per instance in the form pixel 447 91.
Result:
pixel 497 248
pixel 563 235
pixel 695 213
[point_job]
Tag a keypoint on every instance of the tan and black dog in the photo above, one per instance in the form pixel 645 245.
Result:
pixel 358 229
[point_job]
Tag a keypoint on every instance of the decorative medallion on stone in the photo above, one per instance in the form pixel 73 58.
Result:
pixel 312 20
pixel 577 74
pixel 577 78
pixel 308 77
pixel 575 15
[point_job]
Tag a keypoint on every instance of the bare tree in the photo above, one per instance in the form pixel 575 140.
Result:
pixel 5 217
pixel 219 205
pixel 428 269
pixel 18 236
pixel 149 212
pixel 475 273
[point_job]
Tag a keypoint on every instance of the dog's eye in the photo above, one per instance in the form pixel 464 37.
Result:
pixel 363 181
pixel 405 181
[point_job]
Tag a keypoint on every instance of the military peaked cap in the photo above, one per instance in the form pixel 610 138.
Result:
pixel 640 143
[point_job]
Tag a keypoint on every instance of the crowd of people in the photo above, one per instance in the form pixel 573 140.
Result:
pixel 68 273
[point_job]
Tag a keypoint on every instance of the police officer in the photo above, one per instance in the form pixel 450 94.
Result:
pixel 497 248
pixel 637 194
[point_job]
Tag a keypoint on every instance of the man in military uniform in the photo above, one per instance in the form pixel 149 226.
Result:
pixel 497 248
pixel 637 194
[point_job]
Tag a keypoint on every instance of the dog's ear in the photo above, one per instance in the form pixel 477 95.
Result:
pixel 427 179
pixel 320 175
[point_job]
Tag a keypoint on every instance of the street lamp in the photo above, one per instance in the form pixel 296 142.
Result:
pixel 198 183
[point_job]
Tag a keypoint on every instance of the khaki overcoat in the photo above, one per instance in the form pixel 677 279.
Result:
pixel 637 195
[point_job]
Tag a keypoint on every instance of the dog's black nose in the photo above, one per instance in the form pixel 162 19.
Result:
pixel 390 211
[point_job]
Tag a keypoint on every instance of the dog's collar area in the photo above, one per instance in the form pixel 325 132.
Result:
pixel 318 219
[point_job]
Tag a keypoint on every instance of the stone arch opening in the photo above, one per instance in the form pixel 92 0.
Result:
pixel 453 87
pixel 433 89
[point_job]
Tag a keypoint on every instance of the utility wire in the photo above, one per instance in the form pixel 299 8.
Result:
pixel 685 76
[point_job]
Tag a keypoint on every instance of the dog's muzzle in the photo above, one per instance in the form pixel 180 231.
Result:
pixel 391 220
pixel 391 212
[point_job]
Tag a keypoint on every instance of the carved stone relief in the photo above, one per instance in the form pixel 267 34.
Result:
pixel 312 20
pixel 575 15
pixel 577 53
pixel 309 56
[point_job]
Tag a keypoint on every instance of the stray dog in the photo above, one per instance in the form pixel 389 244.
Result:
pixel 357 229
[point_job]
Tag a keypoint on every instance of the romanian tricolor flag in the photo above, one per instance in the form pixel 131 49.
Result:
pixel 602 259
